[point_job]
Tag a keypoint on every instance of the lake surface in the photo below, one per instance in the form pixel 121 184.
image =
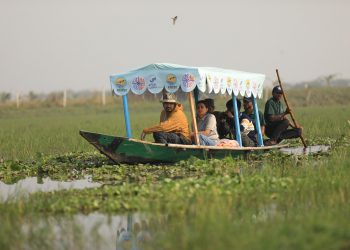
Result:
pixel 35 184
pixel 306 151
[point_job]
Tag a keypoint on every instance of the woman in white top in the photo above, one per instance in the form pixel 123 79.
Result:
pixel 206 124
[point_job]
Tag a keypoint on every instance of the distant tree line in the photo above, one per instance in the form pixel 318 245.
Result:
pixel 5 96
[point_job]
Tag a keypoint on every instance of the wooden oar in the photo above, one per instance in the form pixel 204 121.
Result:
pixel 194 121
pixel 291 114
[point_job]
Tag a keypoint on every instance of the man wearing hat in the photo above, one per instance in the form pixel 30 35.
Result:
pixel 276 122
pixel 249 111
pixel 173 126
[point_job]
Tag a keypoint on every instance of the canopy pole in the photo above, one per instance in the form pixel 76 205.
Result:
pixel 196 95
pixel 236 120
pixel 257 123
pixel 193 114
pixel 126 116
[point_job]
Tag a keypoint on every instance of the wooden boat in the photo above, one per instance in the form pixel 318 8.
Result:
pixel 132 151
pixel 192 80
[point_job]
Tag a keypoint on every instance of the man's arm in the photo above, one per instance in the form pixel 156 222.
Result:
pixel 275 118
pixel 262 130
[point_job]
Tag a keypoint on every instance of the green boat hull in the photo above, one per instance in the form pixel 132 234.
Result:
pixel 131 151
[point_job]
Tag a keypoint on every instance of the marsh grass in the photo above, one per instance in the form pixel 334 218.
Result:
pixel 268 203
pixel 273 201
pixel 26 133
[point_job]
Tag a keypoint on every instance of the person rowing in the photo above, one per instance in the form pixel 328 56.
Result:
pixel 276 121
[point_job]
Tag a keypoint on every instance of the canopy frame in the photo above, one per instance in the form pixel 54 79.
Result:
pixel 194 79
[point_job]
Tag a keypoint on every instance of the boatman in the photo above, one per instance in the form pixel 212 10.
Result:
pixel 276 122
pixel 249 111
pixel 173 126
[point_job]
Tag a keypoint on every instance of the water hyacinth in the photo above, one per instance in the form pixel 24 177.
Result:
pixel 268 201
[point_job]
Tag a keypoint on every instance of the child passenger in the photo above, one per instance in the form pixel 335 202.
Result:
pixel 206 124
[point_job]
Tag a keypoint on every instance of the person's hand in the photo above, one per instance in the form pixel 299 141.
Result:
pixel 193 135
pixel 229 114
pixel 143 135
pixel 288 111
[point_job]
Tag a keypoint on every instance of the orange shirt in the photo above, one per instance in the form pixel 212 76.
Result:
pixel 175 122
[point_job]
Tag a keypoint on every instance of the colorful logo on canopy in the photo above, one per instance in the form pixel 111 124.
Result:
pixel 247 83
pixel 138 85
pixel 120 85
pixel 121 81
pixel 153 79
pixel 209 78
pixel 153 84
pixel 260 89
pixel 241 85
pixel 188 81
pixel 223 85
pixel 255 87
pixel 171 78
pixel 235 84
pixel 201 84
pixel 216 84
pixel 228 81
pixel 172 84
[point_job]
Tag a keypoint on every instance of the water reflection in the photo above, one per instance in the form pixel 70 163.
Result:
pixel 121 232
pixel 305 151
pixel 34 184
pixel 134 236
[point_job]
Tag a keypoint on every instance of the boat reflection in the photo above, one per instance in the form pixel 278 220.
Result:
pixel 135 235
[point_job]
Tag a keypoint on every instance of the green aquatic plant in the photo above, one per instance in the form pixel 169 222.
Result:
pixel 267 201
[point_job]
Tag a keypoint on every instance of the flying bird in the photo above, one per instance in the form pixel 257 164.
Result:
pixel 174 19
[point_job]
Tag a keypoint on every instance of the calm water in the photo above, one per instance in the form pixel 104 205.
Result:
pixel 35 184
pixel 95 231
pixel 98 231
pixel 306 151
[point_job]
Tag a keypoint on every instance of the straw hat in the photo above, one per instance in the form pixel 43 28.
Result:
pixel 168 97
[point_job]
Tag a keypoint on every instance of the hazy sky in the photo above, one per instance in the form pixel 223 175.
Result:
pixel 50 45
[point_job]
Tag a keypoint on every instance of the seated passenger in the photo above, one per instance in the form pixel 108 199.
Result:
pixel 210 105
pixel 173 126
pixel 276 122
pixel 249 111
pixel 227 128
pixel 206 125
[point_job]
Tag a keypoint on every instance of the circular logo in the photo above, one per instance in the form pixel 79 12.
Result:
pixel 138 83
pixel 171 78
pixel 121 81
pixel 216 84
pixel 228 81
pixel 255 86
pixel 188 80
pixel 235 83
pixel 209 78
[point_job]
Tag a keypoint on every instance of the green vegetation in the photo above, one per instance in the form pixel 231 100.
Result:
pixel 26 133
pixel 272 201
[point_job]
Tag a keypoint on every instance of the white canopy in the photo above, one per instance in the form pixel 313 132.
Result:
pixel 156 77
